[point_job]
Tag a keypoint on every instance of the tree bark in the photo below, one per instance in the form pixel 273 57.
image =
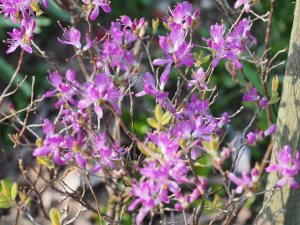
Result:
pixel 283 206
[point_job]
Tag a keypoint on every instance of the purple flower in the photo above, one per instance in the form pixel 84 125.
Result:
pixel 16 9
pixel 196 107
pixel 245 182
pixel 54 145
pixel 271 130
pixel 144 192
pixel 263 102
pixel 21 37
pixel 102 90
pixel 198 77
pixel 287 166
pixel 114 52
pixel 253 138
pixel 176 50
pixel 93 6
pixel 63 90
pixel 182 16
pixel 251 95
pixel 134 25
pixel 150 89
pixel 233 45
pixel 106 155
pixel 72 36
pixel 246 4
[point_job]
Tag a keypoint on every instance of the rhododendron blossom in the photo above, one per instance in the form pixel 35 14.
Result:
pixel 287 165
pixel 21 38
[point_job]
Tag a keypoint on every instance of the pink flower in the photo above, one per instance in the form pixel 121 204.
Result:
pixel 177 50
pixel 246 4
pixel 287 166
pixel 95 4
pixel 251 96
pixel 182 16
pixel 72 36
pixel 21 37
pixel 97 93
pixel 245 182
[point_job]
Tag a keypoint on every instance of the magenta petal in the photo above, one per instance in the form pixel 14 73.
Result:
pixel 43 151
pixel 126 20
pixel 106 8
pixel 27 48
pixel 271 168
pixel 140 94
pixel 48 127
pixel 293 184
pixel 98 110
pixel 55 79
pixel 161 62
pixel 95 13
pixel 96 168
pixel 143 212
pixel 134 204
pixel 280 183
pixel 58 159
pixel 81 161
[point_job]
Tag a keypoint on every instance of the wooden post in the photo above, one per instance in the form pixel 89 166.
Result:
pixel 283 207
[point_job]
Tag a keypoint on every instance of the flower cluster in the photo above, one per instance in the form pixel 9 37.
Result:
pixel 287 167
pixel 252 96
pixel 162 167
pixel 22 12
pixel 231 45
pixel 253 138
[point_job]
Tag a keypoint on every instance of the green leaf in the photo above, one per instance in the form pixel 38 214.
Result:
pixel 166 25
pixel 153 123
pixel 54 217
pixel 274 99
pixel 158 113
pixel 166 118
pixel 143 150
pixel 155 24
pixel 6 187
pixel 5 202
pixel 14 191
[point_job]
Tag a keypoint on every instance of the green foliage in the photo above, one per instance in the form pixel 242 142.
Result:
pixel 8 194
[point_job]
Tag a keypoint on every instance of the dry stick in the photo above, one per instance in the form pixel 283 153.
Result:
pixel 264 74
pixel 15 90
pixel 21 110
pixel 95 197
pixel 82 67
pixel 29 108
pixel 14 76
pixel 91 51
pixel 33 187
pixel 17 217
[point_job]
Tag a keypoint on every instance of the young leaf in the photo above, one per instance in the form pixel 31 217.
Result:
pixel 143 150
pixel 155 24
pixel 6 186
pixel 5 202
pixel 166 118
pixel 14 191
pixel 153 123
pixel 158 113
pixel 54 217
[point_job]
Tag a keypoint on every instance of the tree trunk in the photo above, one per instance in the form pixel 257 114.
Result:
pixel 283 207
